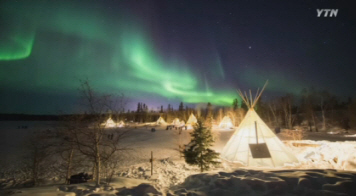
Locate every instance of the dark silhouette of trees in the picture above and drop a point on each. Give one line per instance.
(308, 105)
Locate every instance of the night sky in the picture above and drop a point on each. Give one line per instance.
(161, 52)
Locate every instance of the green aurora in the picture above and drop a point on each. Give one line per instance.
(153, 52)
(121, 58)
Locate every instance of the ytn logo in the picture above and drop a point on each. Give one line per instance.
(327, 12)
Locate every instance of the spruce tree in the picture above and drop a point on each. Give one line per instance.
(235, 104)
(198, 151)
(181, 107)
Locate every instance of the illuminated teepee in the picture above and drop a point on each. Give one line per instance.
(109, 123)
(120, 124)
(192, 120)
(254, 143)
(160, 121)
(176, 122)
(226, 123)
(181, 123)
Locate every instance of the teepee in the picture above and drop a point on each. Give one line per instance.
(176, 122)
(120, 124)
(109, 123)
(254, 143)
(226, 123)
(192, 120)
(182, 123)
(160, 121)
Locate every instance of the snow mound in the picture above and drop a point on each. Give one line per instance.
(354, 135)
(283, 182)
(142, 189)
(324, 154)
(166, 173)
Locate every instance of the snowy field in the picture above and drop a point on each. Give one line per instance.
(327, 166)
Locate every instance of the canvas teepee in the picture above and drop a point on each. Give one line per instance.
(109, 123)
(192, 119)
(254, 143)
(181, 123)
(120, 124)
(160, 121)
(176, 122)
(226, 123)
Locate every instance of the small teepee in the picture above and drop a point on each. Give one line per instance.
(176, 122)
(254, 143)
(192, 120)
(182, 123)
(226, 123)
(120, 124)
(160, 121)
(109, 123)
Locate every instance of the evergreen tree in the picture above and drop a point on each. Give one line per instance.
(235, 104)
(209, 111)
(144, 108)
(244, 106)
(198, 151)
(138, 107)
(161, 109)
(181, 107)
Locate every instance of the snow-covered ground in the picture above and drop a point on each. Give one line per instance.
(335, 161)
(13, 135)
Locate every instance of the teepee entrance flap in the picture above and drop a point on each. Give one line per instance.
(259, 151)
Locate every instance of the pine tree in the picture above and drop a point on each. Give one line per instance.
(235, 104)
(181, 107)
(138, 107)
(209, 111)
(198, 151)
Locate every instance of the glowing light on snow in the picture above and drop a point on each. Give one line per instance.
(350, 135)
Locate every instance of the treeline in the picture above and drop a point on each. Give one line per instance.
(315, 109)
(209, 112)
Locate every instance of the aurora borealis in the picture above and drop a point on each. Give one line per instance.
(162, 52)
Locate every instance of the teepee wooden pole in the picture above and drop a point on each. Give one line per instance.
(241, 95)
(256, 132)
(260, 93)
(258, 89)
(248, 102)
(251, 97)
